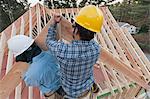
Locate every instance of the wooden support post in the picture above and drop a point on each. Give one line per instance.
(22, 25)
(44, 17)
(30, 93)
(2, 49)
(115, 63)
(111, 47)
(123, 40)
(138, 49)
(12, 79)
(10, 55)
(108, 58)
(30, 23)
(38, 18)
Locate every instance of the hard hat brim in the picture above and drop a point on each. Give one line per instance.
(15, 55)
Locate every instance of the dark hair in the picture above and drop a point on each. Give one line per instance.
(28, 55)
(84, 33)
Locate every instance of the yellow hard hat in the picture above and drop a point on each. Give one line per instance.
(90, 17)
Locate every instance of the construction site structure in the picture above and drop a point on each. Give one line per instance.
(127, 78)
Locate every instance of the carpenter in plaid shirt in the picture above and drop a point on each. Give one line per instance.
(77, 58)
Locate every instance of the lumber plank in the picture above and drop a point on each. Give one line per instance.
(109, 43)
(135, 91)
(113, 24)
(114, 62)
(12, 79)
(108, 81)
(137, 48)
(127, 95)
(113, 50)
(98, 74)
(2, 49)
(123, 41)
(124, 93)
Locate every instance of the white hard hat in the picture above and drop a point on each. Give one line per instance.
(19, 43)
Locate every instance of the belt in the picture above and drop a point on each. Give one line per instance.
(93, 89)
(48, 94)
(84, 94)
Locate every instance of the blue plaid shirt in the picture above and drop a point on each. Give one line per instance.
(76, 62)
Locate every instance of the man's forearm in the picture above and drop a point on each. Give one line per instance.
(40, 40)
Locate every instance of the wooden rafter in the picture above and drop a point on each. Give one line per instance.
(124, 65)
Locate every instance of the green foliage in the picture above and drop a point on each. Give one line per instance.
(136, 12)
(72, 3)
(144, 29)
(60, 3)
(4, 19)
(145, 47)
(10, 11)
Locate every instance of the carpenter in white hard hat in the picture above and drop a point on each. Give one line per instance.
(43, 70)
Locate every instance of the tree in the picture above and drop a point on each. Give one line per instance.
(11, 9)
(60, 3)
(136, 12)
(4, 19)
(73, 3)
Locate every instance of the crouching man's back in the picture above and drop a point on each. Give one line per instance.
(77, 58)
(43, 71)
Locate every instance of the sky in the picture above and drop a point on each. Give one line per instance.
(33, 2)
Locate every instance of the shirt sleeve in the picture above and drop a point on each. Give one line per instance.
(51, 41)
(52, 33)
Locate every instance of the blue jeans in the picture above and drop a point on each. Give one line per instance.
(43, 72)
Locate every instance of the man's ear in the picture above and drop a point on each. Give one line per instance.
(78, 35)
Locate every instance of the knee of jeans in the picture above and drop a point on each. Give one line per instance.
(31, 81)
(31, 76)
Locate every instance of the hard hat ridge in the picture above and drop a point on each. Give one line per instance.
(90, 17)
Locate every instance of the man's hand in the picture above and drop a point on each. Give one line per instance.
(56, 17)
